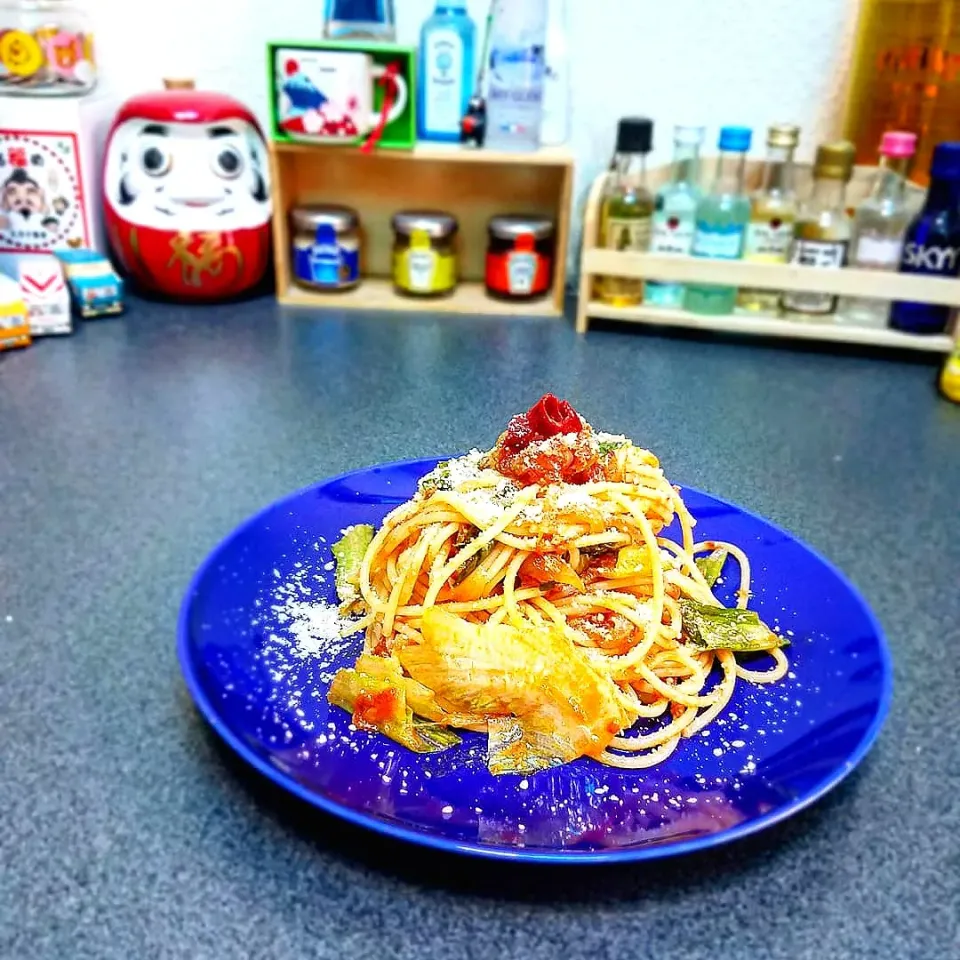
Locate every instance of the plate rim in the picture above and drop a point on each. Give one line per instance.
(561, 855)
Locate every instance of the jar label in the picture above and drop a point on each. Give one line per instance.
(768, 241)
(326, 264)
(824, 255)
(518, 273)
(672, 234)
(521, 272)
(628, 234)
(424, 271)
(878, 252)
(421, 266)
(443, 90)
(718, 243)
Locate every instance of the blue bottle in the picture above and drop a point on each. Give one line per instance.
(360, 19)
(445, 71)
(932, 242)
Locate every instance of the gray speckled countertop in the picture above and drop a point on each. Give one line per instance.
(129, 450)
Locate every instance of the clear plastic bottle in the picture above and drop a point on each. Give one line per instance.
(722, 217)
(822, 235)
(626, 208)
(879, 225)
(46, 48)
(516, 75)
(675, 212)
(772, 216)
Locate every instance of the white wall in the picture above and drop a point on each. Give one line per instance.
(751, 62)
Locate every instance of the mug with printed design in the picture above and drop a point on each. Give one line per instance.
(328, 95)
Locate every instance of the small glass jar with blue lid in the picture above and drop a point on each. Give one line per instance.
(326, 247)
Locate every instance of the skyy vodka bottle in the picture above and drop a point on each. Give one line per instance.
(675, 212)
(932, 243)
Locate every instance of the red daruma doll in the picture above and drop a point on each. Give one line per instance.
(187, 193)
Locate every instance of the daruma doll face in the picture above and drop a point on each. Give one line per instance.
(187, 194)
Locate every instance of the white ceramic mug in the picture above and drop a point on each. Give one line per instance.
(328, 94)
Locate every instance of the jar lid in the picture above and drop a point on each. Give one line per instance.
(634, 135)
(318, 215)
(834, 161)
(786, 135)
(433, 223)
(688, 136)
(511, 226)
(735, 139)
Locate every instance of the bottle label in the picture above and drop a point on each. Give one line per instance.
(444, 82)
(628, 234)
(918, 258)
(823, 254)
(768, 241)
(718, 243)
(672, 234)
(878, 253)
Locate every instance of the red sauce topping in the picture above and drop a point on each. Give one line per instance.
(372, 710)
(536, 447)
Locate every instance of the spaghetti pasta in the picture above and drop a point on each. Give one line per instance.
(533, 584)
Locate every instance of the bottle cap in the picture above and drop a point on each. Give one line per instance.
(688, 136)
(735, 138)
(945, 164)
(834, 160)
(783, 135)
(898, 143)
(634, 135)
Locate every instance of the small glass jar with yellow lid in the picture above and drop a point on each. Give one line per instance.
(424, 253)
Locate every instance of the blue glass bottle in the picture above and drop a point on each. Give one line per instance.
(722, 218)
(360, 19)
(445, 73)
(932, 243)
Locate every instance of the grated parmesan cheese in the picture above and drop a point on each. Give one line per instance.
(315, 627)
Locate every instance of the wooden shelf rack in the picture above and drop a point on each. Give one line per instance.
(597, 261)
(474, 185)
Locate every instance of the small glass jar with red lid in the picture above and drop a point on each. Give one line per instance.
(519, 257)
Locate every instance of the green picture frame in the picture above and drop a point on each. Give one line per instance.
(399, 134)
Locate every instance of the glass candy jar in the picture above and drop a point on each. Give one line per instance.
(46, 48)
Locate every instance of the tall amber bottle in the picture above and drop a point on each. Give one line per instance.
(906, 76)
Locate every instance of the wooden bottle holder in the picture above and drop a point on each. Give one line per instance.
(473, 185)
(597, 261)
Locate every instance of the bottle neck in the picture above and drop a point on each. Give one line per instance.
(686, 163)
(891, 182)
(778, 174)
(943, 194)
(449, 7)
(630, 169)
(829, 193)
(730, 169)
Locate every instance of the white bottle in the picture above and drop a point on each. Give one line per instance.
(555, 128)
(515, 72)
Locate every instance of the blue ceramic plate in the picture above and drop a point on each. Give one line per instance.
(248, 651)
